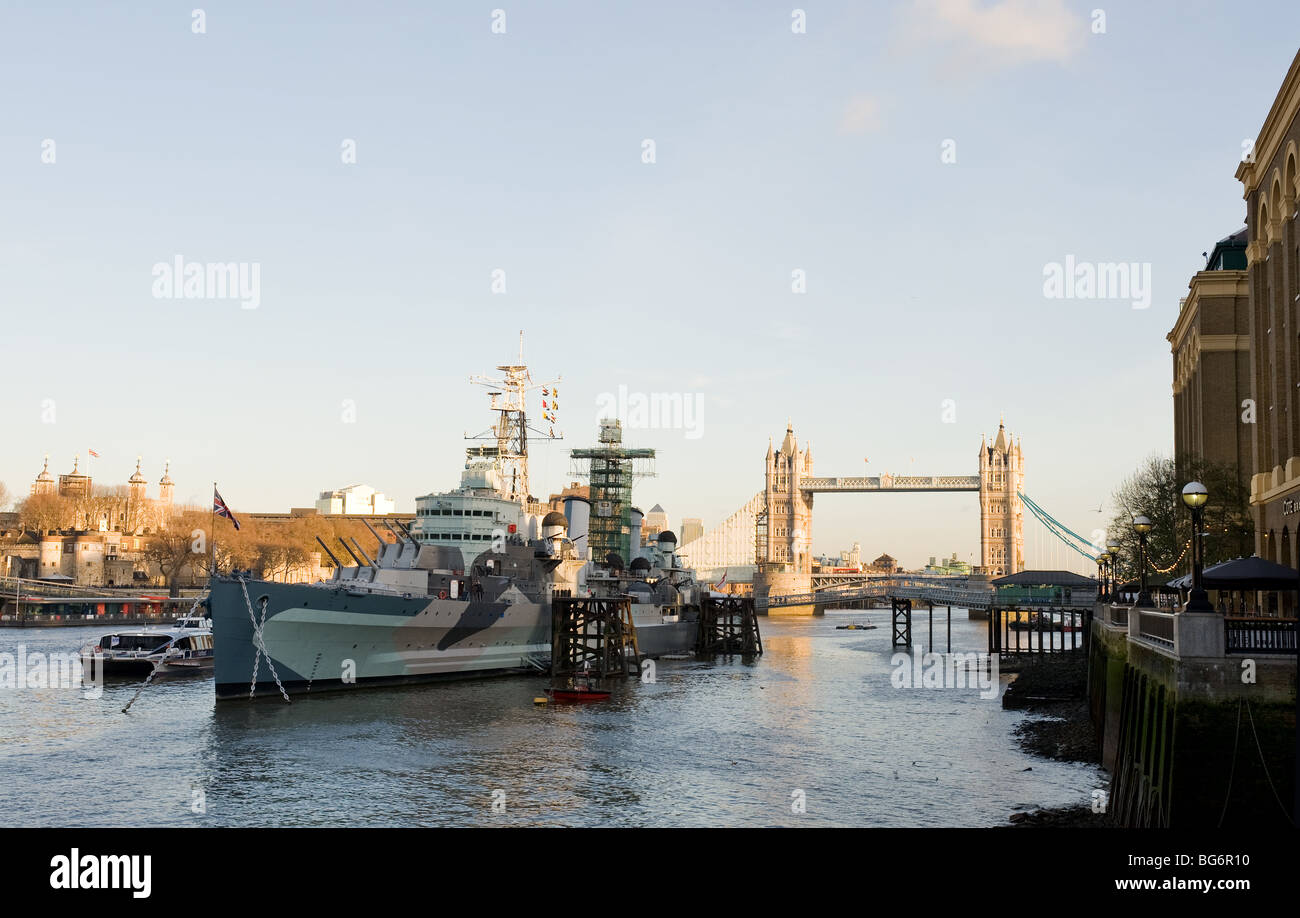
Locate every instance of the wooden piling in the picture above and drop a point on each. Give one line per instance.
(592, 635)
(728, 625)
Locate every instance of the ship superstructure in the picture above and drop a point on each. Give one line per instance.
(465, 591)
(493, 500)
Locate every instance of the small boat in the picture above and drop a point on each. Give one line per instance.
(1039, 623)
(182, 650)
(579, 695)
(856, 626)
(580, 691)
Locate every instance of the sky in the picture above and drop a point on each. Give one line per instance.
(843, 220)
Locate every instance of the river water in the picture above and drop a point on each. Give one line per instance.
(812, 733)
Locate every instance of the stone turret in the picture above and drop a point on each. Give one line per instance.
(166, 487)
(137, 486)
(785, 561)
(1002, 481)
(44, 483)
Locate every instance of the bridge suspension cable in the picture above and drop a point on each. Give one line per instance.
(1068, 536)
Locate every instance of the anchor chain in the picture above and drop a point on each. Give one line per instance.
(260, 643)
(157, 666)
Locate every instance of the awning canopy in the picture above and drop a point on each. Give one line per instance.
(1253, 573)
(1046, 579)
(1135, 586)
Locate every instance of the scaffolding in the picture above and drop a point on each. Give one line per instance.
(611, 467)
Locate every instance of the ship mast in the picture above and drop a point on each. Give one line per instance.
(509, 395)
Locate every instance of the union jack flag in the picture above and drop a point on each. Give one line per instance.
(220, 509)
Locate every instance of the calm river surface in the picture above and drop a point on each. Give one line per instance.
(705, 745)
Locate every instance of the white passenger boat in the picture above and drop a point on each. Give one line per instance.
(185, 648)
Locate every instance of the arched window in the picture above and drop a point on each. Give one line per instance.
(1289, 189)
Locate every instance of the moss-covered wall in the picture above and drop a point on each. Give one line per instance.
(1191, 743)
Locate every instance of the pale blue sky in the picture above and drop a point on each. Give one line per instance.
(775, 151)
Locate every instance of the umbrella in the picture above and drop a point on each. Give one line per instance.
(1253, 573)
(1181, 583)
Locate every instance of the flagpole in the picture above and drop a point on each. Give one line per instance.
(212, 535)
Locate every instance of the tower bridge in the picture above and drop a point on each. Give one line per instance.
(772, 532)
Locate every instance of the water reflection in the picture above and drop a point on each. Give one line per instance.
(706, 744)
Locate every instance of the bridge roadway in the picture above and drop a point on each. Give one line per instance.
(11, 585)
(34, 595)
(892, 483)
(942, 591)
(949, 592)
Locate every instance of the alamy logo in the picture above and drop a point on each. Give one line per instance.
(22, 670)
(654, 410)
(195, 280)
(102, 871)
(945, 671)
(1105, 280)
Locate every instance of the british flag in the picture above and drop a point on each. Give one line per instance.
(220, 509)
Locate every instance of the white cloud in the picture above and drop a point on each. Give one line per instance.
(999, 33)
(860, 115)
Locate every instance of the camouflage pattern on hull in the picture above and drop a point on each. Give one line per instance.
(322, 637)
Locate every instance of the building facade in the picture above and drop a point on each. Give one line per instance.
(1270, 181)
(355, 500)
(1210, 344)
(73, 501)
(655, 522)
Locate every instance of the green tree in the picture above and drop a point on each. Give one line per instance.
(1155, 490)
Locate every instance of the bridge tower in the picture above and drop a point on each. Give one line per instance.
(1002, 481)
(784, 563)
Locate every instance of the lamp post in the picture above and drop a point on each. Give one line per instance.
(1112, 563)
(1143, 526)
(1101, 576)
(1194, 496)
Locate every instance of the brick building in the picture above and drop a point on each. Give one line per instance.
(1271, 189)
(1210, 344)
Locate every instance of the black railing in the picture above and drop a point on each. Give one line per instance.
(1259, 635)
(1017, 631)
(1156, 626)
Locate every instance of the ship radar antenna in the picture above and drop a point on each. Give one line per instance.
(510, 432)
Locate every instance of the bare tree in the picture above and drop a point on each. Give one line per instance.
(182, 544)
(43, 512)
(5, 497)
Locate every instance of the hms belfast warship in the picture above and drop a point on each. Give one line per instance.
(417, 612)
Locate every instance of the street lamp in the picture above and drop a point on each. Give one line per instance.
(1143, 526)
(1112, 563)
(1194, 496)
(1101, 576)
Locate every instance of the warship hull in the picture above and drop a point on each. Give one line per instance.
(322, 638)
